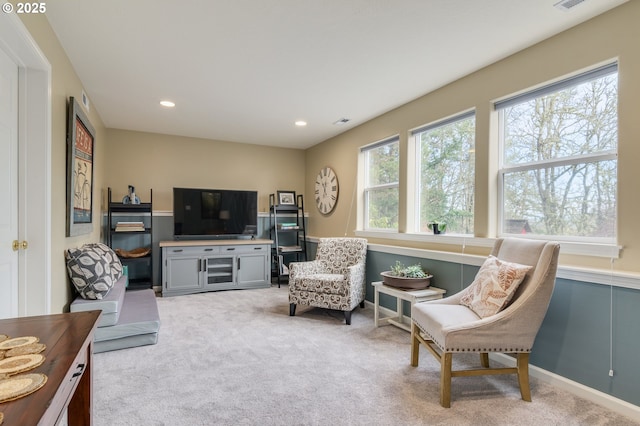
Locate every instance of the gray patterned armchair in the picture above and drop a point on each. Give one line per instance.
(334, 280)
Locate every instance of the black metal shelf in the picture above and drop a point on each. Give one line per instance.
(142, 275)
(283, 249)
(129, 208)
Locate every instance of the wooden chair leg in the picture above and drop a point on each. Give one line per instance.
(484, 359)
(415, 344)
(523, 376)
(445, 379)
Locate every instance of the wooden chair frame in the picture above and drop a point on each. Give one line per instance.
(446, 372)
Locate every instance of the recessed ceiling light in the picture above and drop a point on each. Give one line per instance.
(167, 104)
(301, 123)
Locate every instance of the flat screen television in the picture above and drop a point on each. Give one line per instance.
(214, 213)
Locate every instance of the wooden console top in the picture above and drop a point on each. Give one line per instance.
(68, 367)
(195, 243)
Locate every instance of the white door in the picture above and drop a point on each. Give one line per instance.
(8, 186)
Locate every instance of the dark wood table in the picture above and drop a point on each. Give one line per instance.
(67, 365)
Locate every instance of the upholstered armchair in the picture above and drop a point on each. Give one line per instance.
(334, 280)
(501, 311)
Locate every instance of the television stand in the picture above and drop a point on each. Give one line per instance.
(196, 266)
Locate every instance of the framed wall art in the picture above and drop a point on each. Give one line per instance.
(80, 144)
(287, 198)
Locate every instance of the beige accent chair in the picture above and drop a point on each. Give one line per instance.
(445, 326)
(334, 280)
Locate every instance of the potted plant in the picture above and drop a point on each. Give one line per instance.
(412, 277)
(437, 227)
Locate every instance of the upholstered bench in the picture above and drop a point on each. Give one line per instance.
(129, 318)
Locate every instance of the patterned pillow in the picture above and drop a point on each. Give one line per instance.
(494, 286)
(111, 256)
(90, 272)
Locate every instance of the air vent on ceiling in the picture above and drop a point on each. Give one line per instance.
(567, 4)
(85, 101)
(341, 121)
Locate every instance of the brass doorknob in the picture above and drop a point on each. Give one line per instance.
(17, 245)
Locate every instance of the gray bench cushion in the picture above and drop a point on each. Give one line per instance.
(110, 305)
(138, 317)
(125, 342)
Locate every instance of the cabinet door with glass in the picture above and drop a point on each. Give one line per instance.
(218, 271)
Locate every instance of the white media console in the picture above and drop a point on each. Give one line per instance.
(194, 266)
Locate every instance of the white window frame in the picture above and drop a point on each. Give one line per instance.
(367, 190)
(415, 136)
(564, 161)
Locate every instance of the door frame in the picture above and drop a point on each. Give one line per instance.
(34, 171)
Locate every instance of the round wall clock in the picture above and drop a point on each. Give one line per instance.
(326, 190)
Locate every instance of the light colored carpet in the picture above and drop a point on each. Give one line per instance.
(237, 358)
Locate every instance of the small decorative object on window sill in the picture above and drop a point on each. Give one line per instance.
(407, 277)
(437, 227)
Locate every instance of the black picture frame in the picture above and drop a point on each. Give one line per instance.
(287, 198)
(80, 160)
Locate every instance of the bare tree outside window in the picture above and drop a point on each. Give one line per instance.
(381, 192)
(559, 161)
(446, 170)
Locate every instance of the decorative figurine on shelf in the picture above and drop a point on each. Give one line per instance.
(132, 198)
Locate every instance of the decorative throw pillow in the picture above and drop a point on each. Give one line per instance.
(113, 259)
(90, 272)
(494, 286)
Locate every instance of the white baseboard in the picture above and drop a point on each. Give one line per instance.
(615, 404)
(578, 389)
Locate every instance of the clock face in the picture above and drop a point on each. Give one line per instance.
(326, 190)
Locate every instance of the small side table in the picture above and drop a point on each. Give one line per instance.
(412, 296)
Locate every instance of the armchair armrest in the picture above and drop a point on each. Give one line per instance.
(355, 274)
(304, 268)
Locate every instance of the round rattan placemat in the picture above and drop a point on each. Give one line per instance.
(18, 341)
(3, 337)
(20, 363)
(21, 385)
(32, 348)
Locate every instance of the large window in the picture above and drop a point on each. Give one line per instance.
(381, 187)
(445, 155)
(558, 172)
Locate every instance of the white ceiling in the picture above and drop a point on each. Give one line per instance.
(245, 70)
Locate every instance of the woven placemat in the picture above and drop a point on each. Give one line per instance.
(1, 418)
(21, 385)
(20, 363)
(3, 337)
(32, 348)
(18, 341)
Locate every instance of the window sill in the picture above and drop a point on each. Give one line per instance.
(610, 251)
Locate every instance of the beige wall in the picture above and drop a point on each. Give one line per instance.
(609, 36)
(161, 162)
(146, 161)
(65, 83)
